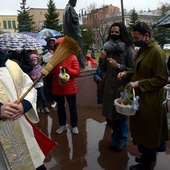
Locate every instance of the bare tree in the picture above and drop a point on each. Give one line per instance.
(91, 7)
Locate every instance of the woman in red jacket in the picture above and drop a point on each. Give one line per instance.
(67, 90)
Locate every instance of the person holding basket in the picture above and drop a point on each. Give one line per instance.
(149, 127)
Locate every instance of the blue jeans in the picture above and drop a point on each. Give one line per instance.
(41, 96)
(71, 99)
(119, 135)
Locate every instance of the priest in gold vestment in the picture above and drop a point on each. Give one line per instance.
(19, 148)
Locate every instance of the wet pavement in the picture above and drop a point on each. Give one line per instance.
(89, 149)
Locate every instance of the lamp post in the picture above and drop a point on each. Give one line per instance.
(82, 12)
(122, 9)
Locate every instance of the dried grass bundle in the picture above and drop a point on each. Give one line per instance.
(67, 48)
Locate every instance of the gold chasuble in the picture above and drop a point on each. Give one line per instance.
(18, 148)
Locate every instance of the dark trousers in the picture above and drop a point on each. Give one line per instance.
(71, 99)
(151, 154)
(41, 96)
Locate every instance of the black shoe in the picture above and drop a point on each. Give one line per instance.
(112, 147)
(139, 159)
(119, 148)
(140, 167)
(108, 122)
(42, 167)
(116, 148)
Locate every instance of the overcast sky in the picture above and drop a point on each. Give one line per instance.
(11, 6)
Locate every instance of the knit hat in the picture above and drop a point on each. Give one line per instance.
(142, 27)
(52, 39)
(34, 56)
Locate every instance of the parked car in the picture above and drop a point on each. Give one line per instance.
(166, 47)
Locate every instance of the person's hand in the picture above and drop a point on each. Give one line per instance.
(134, 84)
(11, 110)
(103, 54)
(122, 75)
(112, 62)
(51, 51)
(169, 79)
(34, 78)
(63, 80)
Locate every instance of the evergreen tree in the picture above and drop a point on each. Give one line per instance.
(133, 18)
(52, 20)
(87, 36)
(162, 34)
(25, 20)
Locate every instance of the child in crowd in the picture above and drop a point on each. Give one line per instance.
(35, 73)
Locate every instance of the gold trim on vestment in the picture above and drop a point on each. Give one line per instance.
(14, 145)
(11, 135)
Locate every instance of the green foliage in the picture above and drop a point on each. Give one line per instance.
(127, 102)
(52, 17)
(130, 96)
(87, 35)
(25, 20)
(121, 88)
(133, 19)
(162, 34)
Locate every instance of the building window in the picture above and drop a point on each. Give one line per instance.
(127, 22)
(9, 25)
(13, 24)
(4, 24)
(41, 23)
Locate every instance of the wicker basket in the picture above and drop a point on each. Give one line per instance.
(167, 87)
(167, 101)
(127, 110)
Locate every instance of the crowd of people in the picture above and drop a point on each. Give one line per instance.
(146, 72)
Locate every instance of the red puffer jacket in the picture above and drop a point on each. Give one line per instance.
(73, 70)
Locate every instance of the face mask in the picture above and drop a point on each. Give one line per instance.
(114, 37)
(140, 43)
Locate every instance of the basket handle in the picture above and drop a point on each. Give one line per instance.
(133, 92)
(127, 87)
(135, 104)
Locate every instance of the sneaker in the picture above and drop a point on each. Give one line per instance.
(46, 109)
(75, 130)
(61, 129)
(42, 110)
(54, 104)
(38, 109)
